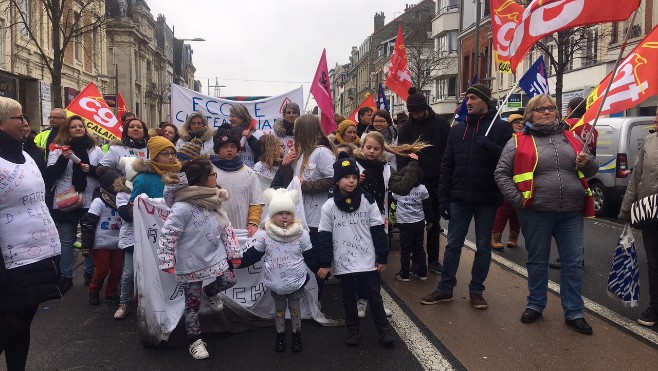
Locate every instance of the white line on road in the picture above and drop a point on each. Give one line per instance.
(422, 348)
(599, 309)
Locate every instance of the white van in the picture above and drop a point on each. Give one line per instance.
(619, 142)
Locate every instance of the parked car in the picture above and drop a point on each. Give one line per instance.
(619, 142)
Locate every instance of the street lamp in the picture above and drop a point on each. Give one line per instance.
(116, 87)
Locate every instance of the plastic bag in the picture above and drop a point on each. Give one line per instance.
(624, 278)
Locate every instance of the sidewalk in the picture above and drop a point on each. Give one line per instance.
(495, 338)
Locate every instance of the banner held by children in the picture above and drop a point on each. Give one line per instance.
(91, 106)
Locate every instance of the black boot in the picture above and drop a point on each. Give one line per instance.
(94, 299)
(88, 277)
(386, 336)
(352, 337)
(296, 345)
(280, 345)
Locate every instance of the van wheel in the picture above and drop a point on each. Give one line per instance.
(602, 199)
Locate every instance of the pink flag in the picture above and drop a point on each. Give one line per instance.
(321, 90)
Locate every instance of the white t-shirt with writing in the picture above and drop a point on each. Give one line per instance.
(127, 231)
(410, 208)
(354, 250)
(111, 158)
(320, 166)
(244, 188)
(27, 231)
(265, 174)
(109, 225)
(285, 270)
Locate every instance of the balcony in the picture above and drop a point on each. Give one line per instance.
(446, 20)
(449, 64)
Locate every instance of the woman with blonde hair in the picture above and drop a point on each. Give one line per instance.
(73, 168)
(241, 122)
(196, 127)
(269, 161)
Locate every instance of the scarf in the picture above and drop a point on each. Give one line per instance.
(79, 147)
(134, 143)
(199, 133)
(290, 127)
(227, 165)
(11, 149)
(542, 130)
(109, 198)
(161, 168)
(374, 184)
(390, 133)
(205, 198)
(287, 234)
(349, 203)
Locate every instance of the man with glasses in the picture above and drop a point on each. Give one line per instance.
(467, 191)
(44, 138)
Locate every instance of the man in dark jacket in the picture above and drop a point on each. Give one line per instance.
(467, 190)
(365, 116)
(425, 125)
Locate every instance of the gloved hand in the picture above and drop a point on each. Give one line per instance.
(485, 143)
(444, 210)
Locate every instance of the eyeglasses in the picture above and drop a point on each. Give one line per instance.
(544, 109)
(167, 154)
(212, 175)
(21, 117)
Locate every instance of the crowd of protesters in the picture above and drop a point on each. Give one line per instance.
(378, 173)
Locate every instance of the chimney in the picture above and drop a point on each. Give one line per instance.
(380, 20)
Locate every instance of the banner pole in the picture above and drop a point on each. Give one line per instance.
(308, 98)
(501, 107)
(588, 139)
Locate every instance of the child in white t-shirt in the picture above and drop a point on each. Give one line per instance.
(353, 246)
(414, 215)
(285, 244)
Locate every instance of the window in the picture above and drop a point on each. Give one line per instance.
(138, 70)
(445, 5)
(591, 48)
(446, 87)
(149, 72)
(567, 46)
(25, 7)
(448, 44)
(614, 33)
(95, 40)
(2, 43)
(78, 38)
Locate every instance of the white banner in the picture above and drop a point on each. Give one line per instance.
(265, 111)
(161, 300)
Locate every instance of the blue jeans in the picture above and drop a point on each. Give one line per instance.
(538, 229)
(460, 219)
(127, 277)
(67, 237)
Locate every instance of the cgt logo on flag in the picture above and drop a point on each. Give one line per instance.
(506, 16)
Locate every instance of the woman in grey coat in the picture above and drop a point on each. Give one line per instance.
(542, 171)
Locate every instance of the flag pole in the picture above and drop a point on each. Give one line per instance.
(308, 98)
(588, 139)
(501, 107)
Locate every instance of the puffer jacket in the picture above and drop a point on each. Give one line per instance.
(467, 168)
(644, 178)
(557, 186)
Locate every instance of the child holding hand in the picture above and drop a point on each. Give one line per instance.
(197, 242)
(354, 247)
(285, 245)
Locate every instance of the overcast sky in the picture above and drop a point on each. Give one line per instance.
(250, 43)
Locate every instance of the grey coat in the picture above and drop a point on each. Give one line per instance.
(644, 178)
(557, 186)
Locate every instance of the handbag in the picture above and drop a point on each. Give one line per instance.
(644, 213)
(624, 277)
(70, 200)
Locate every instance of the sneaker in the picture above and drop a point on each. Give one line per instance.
(434, 267)
(400, 277)
(478, 302)
(361, 306)
(648, 317)
(436, 297)
(88, 277)
(388, 311)
(386, 336)
(112, 299)
(122, 312)
(352, 338)
(418, 276)
(215, 302)
(198, 350)
(296, 345)
(280, 345)
(94, 299)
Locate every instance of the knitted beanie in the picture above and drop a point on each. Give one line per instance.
(343, 125)
(280, 200)
(344, 166)
(156, 145)
(126, 164)
(190, 150)
(225, 134)
(481, 91)
(106, 181)
(416, 101)
(515, 116)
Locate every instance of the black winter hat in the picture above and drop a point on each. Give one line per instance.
(416, 101)
(481, 91)
(345, 165)
(225, 134)
(106, 180)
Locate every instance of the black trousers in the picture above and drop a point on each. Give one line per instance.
(434, 233)
(367, 284)
(15, 336)
(411, 242)
(650, 239)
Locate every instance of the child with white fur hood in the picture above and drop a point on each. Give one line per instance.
(286, 246)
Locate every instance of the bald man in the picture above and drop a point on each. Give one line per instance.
(44, 138)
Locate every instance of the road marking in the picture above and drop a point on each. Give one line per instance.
(420, 346)
(599, 309)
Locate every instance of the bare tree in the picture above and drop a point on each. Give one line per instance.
(69, 21)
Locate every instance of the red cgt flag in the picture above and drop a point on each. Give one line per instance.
(122, 107)
(399, 77)
(544, 17)
(505, 16)
(635, 81)
(91, 106)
